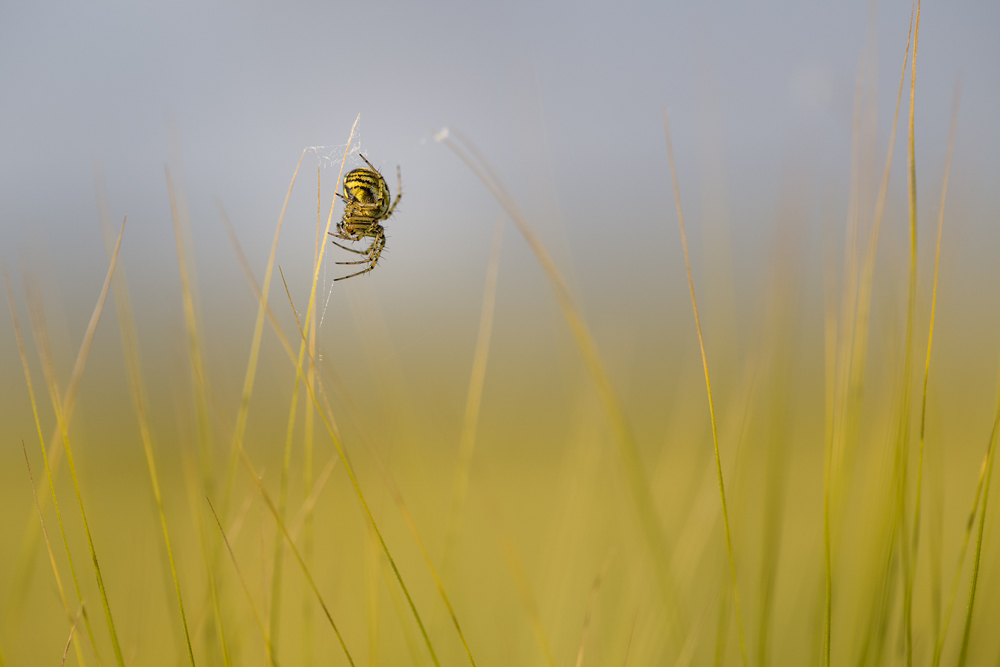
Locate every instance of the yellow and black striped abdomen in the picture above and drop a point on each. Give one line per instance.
(367, 188)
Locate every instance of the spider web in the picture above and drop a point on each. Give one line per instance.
(330, 156)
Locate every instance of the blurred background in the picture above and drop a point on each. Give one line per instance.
(766, 101)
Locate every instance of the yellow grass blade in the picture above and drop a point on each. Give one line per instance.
(328, 421)
(850, 366)
(130, 349)
(708, 386)
(326, 416)
(57, 406)
(200, 384)
(622, 430)
(904, 417)
(45, 459)
(467, 441)
(256, 615)
(988, 474)
(55, 568)
(523, 585)
(195, 489)
(291, 545)
(930, 334)
(308, 440)
(70, 640)
(193, 340)
(248, 381)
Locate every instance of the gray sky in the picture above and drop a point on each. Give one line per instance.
(564, 97)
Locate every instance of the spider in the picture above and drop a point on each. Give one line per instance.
(366, 205)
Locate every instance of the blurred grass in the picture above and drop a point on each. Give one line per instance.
(560, 505)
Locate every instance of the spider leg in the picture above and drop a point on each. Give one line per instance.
(399, 193)
(367, 252)
(376, 248)
(374, 251)
(346, 237)
(363, 271)
(359, 252)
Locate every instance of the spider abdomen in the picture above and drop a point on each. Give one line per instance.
(366, 189)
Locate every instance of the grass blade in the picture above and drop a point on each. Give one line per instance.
(55, 568)
(467, 441)
(130, 349)
(988, 473)
(256, 615)
(904, 417)
(708, 386)
(930, 333)
(57, 406)
(622, 430)
(48, 468)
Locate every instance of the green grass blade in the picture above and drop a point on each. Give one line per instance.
(708, 386)
(49, 369)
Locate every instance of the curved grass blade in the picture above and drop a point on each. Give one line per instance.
(49, 370)
(620, 426)
(930, 333)
(256, 615)
(708, 386)
(130, 349)
(48, 469)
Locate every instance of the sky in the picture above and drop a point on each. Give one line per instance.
(565, 99)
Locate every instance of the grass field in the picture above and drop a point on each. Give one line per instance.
(535, 483)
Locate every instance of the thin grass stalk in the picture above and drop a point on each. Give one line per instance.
(49, 370)
(55, 568)
(620, 427)
(857, 343)
(708, 386)
(248, 381)
(200, 382)
(328, 421)
(473, 400)
(130, 349)
(69, 640)
(988, 470)
(855, 347)
(523, 585)
(904, 438)
(930, 334)
(269, 655)
(195, 488)
(397, 498)
(591, 605)
(277, 570)
(290, 430)
(307, 443)
(371, 568)
(402, 615)
(970, 522)
(31, 537)
(194, 345)
(326, 416)
(45, 460)
(830, 376)
(291, 545)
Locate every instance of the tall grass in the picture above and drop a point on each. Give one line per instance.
(588, 530)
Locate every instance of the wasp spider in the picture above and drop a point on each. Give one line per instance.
(366, 198)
